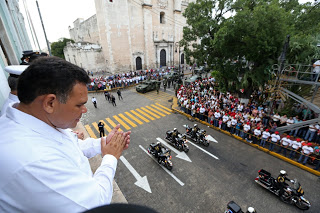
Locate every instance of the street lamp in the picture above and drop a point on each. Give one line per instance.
(178, 47)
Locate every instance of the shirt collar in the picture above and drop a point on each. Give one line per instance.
(13, 97)
(36, 125)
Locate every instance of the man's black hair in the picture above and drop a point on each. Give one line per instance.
(49, 75)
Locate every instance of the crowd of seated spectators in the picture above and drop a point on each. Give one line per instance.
(252, 121)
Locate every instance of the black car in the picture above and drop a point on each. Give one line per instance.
(147, 86)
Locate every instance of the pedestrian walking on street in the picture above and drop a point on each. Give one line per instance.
(94, 101)
(113, 100)
(101, 129)
(157, 87)
(169, 82)
(107, 95)
(119, 94)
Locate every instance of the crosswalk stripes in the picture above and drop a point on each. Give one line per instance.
(156, 111)
(121, 122)
(164, 107)
(90, 132)
(129, 120)
(162, 96)
(158, 108)
(140, 116)
(134, 118)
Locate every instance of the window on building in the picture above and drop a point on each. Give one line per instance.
(162, 18)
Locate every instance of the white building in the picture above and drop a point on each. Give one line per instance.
(133, 34)
(13, 41)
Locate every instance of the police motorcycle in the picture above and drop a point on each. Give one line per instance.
(180, 143)
(232, 207)
(162, 153)
(199, 136)
(292, 195)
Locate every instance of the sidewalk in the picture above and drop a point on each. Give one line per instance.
(95, 162)
(176, 108)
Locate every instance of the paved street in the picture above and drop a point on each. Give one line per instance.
(219, 173)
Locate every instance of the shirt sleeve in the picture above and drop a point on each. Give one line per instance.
(90, 147)
(58, 185)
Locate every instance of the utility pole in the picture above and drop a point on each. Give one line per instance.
(44, 31)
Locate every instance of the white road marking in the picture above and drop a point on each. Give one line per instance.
(142, 182)
(170, 173)
(182, 155)
(210, 138)
(203, 150)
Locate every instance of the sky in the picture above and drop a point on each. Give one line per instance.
(57, 16)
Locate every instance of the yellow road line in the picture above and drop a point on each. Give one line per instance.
(156, 111)
(121, 122)
(140, 116)
(90, 132)
(151, 113)
(145, 114)
(127, 120)
(134, 118)
(112, 123)
(158, 108)
(95, 125)
(164, 107)
(106, 126)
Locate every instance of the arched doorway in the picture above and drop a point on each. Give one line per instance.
(182, 58)
(138, 63)
(163, 58)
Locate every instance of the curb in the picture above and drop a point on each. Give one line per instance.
(117, 195)
(301, 166)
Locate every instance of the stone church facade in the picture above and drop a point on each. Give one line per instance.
(133, 34)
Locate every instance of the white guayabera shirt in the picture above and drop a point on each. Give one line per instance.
(44, 169)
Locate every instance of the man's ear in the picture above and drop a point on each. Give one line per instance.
(49, 103)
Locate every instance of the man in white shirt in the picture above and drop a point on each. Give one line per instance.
(257, 134)
(274, 140)
(264, 137)
(14, 71)
(94, 101)
(285, 143)
(311, 132)
(44, 168)
(296, 145)
(216, 118)
(316, 70)
(306, 151)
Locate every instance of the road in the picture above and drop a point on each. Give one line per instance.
(207, 183)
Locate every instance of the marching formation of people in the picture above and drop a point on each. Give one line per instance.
(252, 121)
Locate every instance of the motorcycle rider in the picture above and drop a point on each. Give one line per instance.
(158, 149)
(281, 183)
(174, 136)
(195, 131)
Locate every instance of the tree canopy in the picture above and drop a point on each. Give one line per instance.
(57, 47)
(240, 40)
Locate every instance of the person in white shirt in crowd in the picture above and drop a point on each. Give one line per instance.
(229, 125)
(275, 137)
(44, 167)
(14, 71)
(276, 118)
(311, 132)
(202, 111)
(217, 115)
(306, 151)
(295, 146)
(265, 136)
(257, 134)
(233, 125)
(246, 129)
(225, 119)
(290, 121)
(285, 143)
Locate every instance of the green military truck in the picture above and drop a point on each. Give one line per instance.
(147, 86)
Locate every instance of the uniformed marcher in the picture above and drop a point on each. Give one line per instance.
(157, 88)
(40, 157)
(14, 71)
(164, 84)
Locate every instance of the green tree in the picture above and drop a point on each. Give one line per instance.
(57, 47)
(241, 48)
